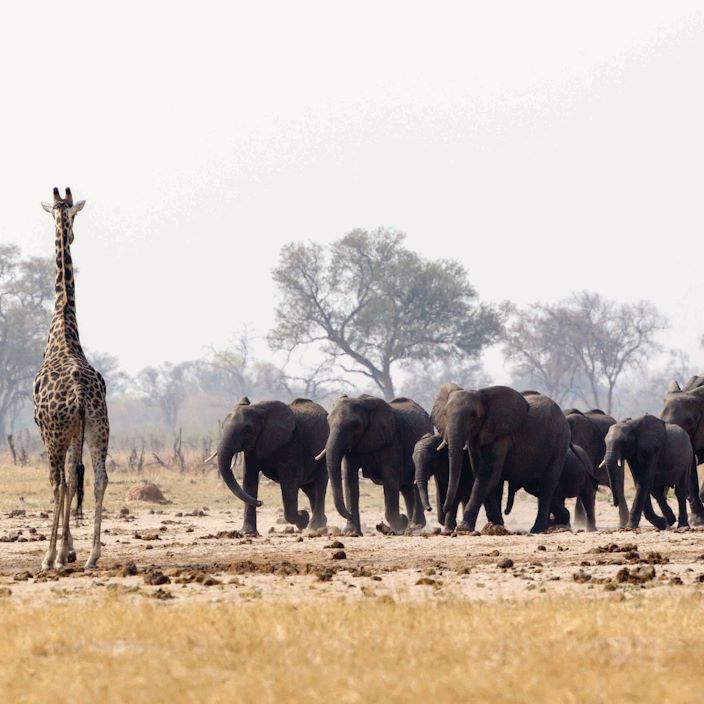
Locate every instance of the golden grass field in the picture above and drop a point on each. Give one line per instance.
(402, 619)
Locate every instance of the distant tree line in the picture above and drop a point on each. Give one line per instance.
(364, 313)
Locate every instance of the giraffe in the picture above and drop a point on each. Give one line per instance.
(69, 400)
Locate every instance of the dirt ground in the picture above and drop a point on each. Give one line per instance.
(190, 550)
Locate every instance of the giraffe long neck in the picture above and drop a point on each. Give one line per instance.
(63, 333)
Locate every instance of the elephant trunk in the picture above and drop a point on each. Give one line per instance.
(455, 448)
(422, 476)
(226, 451)
(333, 455)
(614, 469)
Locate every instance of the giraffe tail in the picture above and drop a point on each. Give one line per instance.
(80, 471)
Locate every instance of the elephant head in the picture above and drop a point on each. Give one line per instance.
(475, 419)
(361, 424)
(424, 459)
(633, 439)
(259, 428)
(686, 409)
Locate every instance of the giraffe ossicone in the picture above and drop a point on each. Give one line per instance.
(69, 400)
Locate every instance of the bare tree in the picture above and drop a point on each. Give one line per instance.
(166, 387)
(26, 293)
(373, 303)
(581, 347)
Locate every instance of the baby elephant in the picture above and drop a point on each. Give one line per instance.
(576, 480)
(659, 455)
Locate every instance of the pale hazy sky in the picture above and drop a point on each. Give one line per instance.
(550, 147)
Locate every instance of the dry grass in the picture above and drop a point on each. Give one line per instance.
(549, 651)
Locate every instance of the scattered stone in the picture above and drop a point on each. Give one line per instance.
(124, 511)
(156, 578)
(428, 582)
(638, 575)
(495, 529)
(147, 535)
(505, 564)
(324, 574)
(145, 491)
(129, 569)
(162, 594)
(384, 529)
(542, 548)
(339, 555)
(5, 591)
(676, 581)
(494, 553)
(23, 576)
(581, 576)
(613, 547)
(336, 544)
(17, 512)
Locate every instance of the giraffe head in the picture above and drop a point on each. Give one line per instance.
(63, 210)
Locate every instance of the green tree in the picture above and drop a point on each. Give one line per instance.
(26, 295)
(369, 301)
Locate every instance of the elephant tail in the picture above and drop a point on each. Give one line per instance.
(509, 500)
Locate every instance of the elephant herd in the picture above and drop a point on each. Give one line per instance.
(476, 443)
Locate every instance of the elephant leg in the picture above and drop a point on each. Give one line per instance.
(289, 495)
(587, 500)
(492, 505)
(579, 513)
(250, 484)
(695, 495)
(548, 485)
(316, 496)
(661, 498)
(560, 512)
(643, 482)
(658, 521)
(407, 493)
(351, 480)
(395, 518)
(681, 494)
(488, 475)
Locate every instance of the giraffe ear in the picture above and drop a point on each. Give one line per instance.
(78, 207)
(48, 207)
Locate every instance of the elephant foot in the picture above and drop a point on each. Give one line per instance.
(661, 524)
(464, 527)
(302, 520)
(352, 531)
(539, 528)
(318, 523)
(249, 531)
(683, 523)
(697, 519)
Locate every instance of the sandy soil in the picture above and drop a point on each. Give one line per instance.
(193, 551)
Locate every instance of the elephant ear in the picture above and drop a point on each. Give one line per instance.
(651, 435)
(674, 387)
(437, 414)
(506, 411)
(381, 424)
(279, 424)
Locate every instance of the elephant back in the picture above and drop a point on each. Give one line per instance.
(412, 420)
(311, 425)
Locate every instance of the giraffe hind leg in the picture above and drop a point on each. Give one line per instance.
(67, 552)
(58, 482)
(98, 454)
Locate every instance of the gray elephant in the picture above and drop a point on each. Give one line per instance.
(377, 436)
(588, 430)
(431, 460)
(576, 481)
(685, 407)
(514, 437)
(659, 455)
(280, 441)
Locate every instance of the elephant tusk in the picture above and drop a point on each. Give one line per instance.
(442, 445)
(320, 456)
(208, 460)
(603, 464)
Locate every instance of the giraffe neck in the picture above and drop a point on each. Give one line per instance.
(63, 333)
